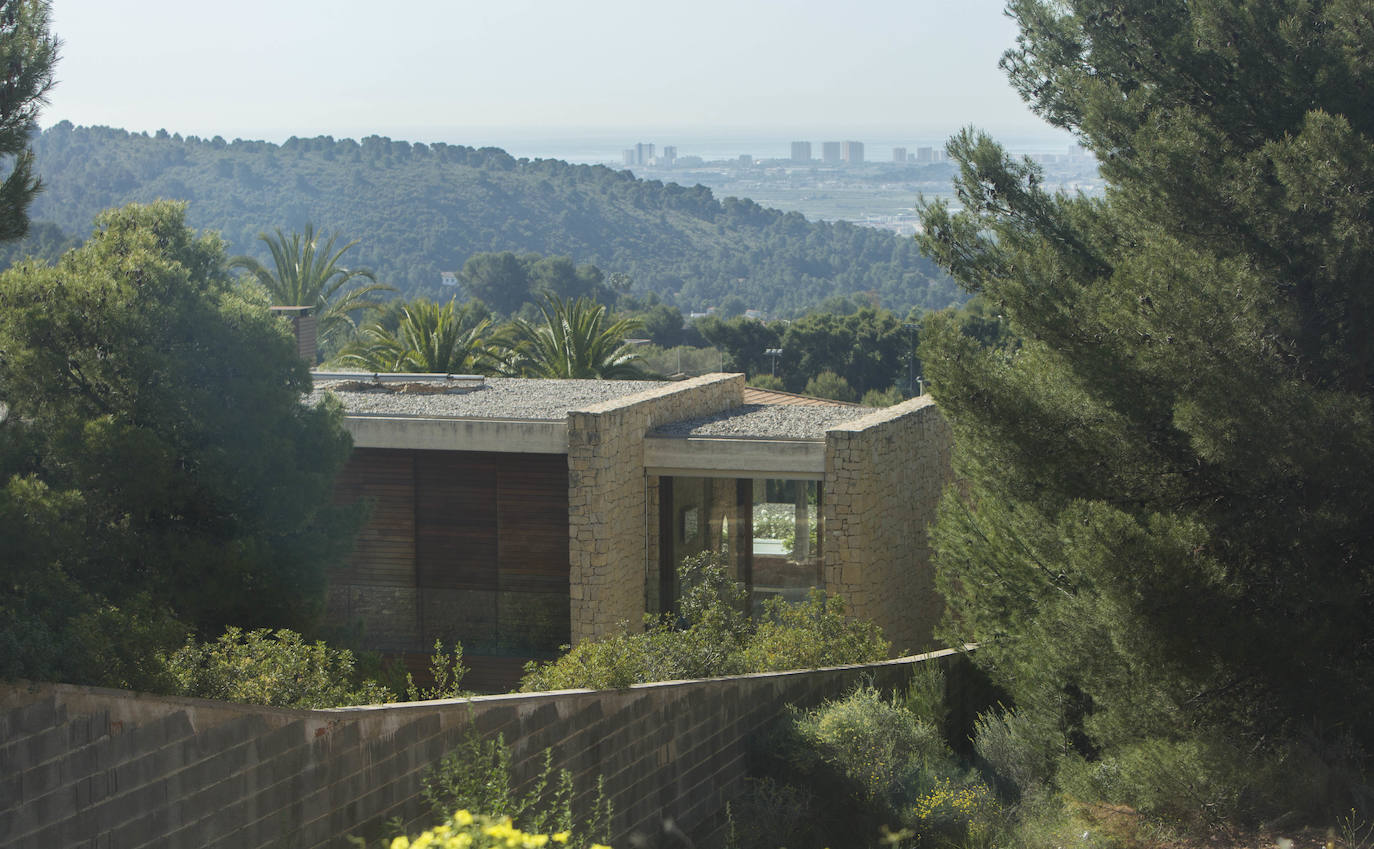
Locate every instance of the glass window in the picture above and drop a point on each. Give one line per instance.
(768, 532)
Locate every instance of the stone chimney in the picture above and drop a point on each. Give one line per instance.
(302, 320)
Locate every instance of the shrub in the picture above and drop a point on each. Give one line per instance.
(265, 667)
(882, 768)
(874, 742)
(464, 830)
(883, 398)
(477, 775)
(828, 384)
(447, 671)
(809, 635)
(712, 637)
(963, 813)
(1020, 754)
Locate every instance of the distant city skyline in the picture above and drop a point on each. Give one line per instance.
(501, 73)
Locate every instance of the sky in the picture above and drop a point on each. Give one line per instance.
(492, 72)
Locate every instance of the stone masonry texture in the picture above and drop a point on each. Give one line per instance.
(608, 495)
(883, 477)
(82, 766)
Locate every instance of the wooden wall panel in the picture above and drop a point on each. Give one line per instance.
(384, 554)
(532, 505)
(481, 538)
(455, 517)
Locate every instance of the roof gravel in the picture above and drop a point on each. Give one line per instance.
(496, 398)
(766, 421)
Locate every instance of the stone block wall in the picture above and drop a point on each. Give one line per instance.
(883, 477)
(608, 495)
(81, 766)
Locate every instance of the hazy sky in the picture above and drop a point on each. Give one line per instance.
(429, 70)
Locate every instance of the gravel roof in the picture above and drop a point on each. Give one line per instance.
(767, 421)
(495, 398)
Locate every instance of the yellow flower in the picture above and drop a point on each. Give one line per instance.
(401, 842)
(561, 836)
(463, 818)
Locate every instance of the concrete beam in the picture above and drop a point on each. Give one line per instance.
(725, 457)
(504, 435)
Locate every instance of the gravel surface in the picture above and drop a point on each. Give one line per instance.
(496, 398)
(771, 421)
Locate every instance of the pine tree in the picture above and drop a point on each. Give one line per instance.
(1163, 536)
(27, 55)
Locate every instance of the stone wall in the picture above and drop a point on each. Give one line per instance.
(608, 495)
(81, 766)
(883, 477)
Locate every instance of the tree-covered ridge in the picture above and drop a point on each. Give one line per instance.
(420, 209)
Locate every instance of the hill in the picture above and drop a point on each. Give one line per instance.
(420, 209)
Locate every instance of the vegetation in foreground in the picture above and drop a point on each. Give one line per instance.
(712, 636)
(159, 473)
(1163, 538)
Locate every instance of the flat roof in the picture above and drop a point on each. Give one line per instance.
(513, 398)
(767, 421)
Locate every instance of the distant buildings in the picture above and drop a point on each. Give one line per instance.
(801, 151)
(830, 151)
(899, 154)
(746, 160)
(924, 155)
(852, 152)
(640, 154)
(669, 156)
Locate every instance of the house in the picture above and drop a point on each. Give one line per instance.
(517, 515)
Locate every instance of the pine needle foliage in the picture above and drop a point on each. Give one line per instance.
(1163, 535)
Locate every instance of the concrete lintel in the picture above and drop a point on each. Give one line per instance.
(424, 434)
(728, 457)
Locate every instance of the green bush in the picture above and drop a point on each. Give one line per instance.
(477, 776)
(809, 635)
(827, 384)
(882, 769)
(1020, 754)
(713, 637)
(465, 830)
(883, 398)
(447, 671)
(265, 667)
(879, 745)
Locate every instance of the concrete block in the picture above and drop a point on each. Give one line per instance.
(31, 718)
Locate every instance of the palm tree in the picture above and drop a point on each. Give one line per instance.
(574, 341)
(304, 274)
(429, 338)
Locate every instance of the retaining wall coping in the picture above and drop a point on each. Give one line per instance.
(78, 697)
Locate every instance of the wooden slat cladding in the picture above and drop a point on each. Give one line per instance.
(532, 501)
(480, 538)
(456, 519)
(384, 554)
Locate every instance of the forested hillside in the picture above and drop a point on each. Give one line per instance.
(420, 209)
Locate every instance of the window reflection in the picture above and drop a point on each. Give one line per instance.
(767, 531)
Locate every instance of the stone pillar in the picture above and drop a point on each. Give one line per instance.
(883, 477)
(608, 501)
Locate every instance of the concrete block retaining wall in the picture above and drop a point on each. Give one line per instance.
(82, 766)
